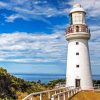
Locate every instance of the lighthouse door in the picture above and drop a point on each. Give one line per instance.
(77, 82)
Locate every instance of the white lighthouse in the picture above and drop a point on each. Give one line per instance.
(78, 60)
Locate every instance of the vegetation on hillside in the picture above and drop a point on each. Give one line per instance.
(96, 81)
(53, 83)
(12, 88)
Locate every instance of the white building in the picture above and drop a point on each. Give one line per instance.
(78, 60)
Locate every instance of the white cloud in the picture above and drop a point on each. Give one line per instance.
(2, 4)
(18, 1)
(32, 10)
(26, 9)
(94, 47)
(41, 48)
(13, 17)
(23, 10)
(95, 33)
(28, 47)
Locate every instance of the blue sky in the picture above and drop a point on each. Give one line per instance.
(32, 35)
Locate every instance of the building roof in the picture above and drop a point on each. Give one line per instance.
(77, 7)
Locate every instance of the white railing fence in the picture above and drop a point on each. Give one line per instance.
(96, 86)
(47, 93)
(65, 95)
(62, 93)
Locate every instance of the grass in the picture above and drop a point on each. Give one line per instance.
(37, 97)
(83, 95)
(87, 95)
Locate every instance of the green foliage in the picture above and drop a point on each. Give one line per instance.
(54, 82)
(10, 84)
(96, 81)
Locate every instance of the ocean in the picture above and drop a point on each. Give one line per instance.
(45, 78)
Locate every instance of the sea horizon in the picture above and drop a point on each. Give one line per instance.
(43, 73)
(45, 77)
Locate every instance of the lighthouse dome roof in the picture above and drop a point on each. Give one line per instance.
(77, 7)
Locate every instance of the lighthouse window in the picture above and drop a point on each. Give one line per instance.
(77, 53)
(77, 28)
(77, 66)
(71, 19)
(77, 43)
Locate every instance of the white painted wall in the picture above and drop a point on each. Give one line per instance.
(83, 72)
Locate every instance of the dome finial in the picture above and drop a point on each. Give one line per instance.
(76, 5)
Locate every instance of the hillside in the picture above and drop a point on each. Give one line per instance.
(14, 88)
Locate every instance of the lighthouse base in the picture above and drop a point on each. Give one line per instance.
(87, 89)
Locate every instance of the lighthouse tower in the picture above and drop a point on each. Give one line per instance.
(78, 60)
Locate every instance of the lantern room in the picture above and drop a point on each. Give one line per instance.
(77, 15)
